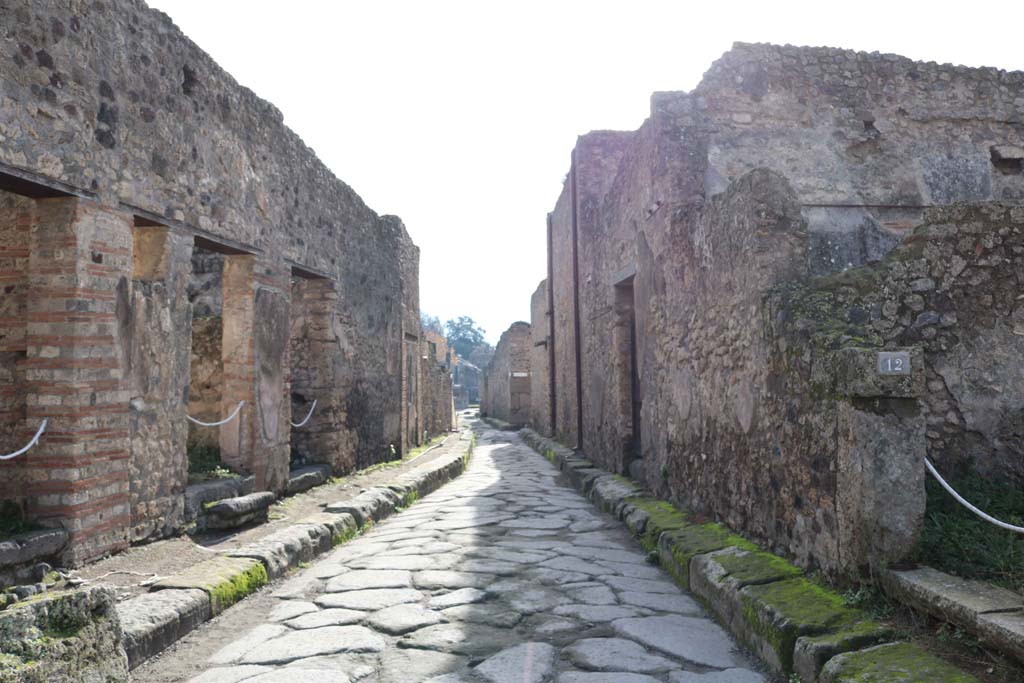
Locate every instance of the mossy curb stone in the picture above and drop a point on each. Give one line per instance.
(794, 624)
(893, 663)
(225, 579)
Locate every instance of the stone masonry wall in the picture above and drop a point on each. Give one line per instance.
(562, 281)
(507, 388)
(785, 163)
(540, 361)
(110, 103)
(951, 289)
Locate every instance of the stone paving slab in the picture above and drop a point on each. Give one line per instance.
(157, 619)
(795, 625)
(485, 580)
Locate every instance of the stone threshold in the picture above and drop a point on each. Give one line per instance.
(796, 626)
(993, 615)
(179, 603)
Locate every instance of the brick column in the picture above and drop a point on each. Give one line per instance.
(256, 297)
(159, 378)
(78, 340)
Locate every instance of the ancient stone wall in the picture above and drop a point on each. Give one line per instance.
(562, 280)
(438, 403)
(540, 361)
(685, 228)
(507, 386)
(115, 124)
(952, 290)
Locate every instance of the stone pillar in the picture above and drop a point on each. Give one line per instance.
(256, 319)
(159, 379)
(78, 341)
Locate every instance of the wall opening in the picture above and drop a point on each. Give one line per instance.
(205, 294)
(313, 350)
(16, 217)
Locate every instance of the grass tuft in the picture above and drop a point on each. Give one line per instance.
(955, 541)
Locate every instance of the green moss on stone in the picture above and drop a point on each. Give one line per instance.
(751, 568)
(410, 498)
(782, 611)
(229, 592)
(345, 536)
(683, 544)
(662, 517)
(894, 663)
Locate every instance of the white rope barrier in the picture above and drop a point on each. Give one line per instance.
(309, 415)
(988, 518)
(33, 442)
(229, 418)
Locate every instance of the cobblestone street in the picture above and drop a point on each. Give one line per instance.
(503, 575)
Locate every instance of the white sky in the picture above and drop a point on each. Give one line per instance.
(460, 116)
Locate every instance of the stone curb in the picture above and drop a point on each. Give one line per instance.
(179, 603)
(995, 615)
(794, 625)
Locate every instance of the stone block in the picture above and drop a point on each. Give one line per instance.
(235, 512)
(70, 636)
(994, 614)
(305, 478)
(651, 518)
(677, 548)
(31, 547)
(341, 525)
(198, 495)
(812, 652)
(947, 597)
(776, 614)
(1004, 630)
(717, 578)
(892, 663)
(153, 621)
(858, 374)
(225, 579)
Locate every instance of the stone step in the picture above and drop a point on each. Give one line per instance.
(304, 478)
(995, 615)
(235, 512)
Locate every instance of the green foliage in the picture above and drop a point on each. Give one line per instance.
(12, 520)
(239, 586)
(204, 460)
(464, 335)
(431, 323)
(956, 541)
(868, 598)
(948, 634)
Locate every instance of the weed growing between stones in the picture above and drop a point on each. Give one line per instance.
(955, 541)
(239, 586)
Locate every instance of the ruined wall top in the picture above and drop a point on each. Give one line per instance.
(112, 99)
